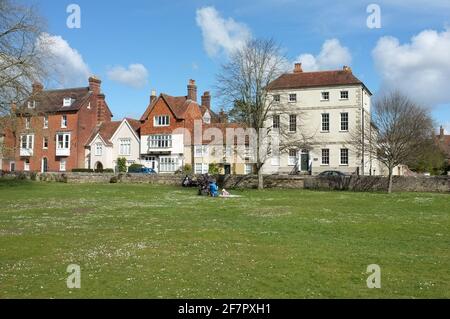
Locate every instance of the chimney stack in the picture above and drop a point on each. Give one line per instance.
(206, 100)
(153, 97)
(37, 88)
(223, 117)
(94, 85)
(441, 133)
(192, 91)
(347, 69)
(298, 68)
(101, 112)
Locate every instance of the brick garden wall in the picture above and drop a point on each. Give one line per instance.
(353, 183)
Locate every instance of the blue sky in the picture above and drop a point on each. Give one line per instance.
(169, 42)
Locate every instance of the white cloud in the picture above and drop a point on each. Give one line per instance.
(135, 76)
(66, 64)
(333, 55)
(420, 68)
(219, 34)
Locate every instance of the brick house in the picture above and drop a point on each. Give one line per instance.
(54, 125)
(167, 133)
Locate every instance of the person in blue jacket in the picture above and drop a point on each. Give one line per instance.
(214, 189)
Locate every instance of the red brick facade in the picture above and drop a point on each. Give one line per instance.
(88, 110)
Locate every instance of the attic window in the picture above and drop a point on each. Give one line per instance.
(207, 118)
(67, 102)
(31, 104)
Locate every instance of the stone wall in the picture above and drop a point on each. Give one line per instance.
(376, 183)
(350, 183)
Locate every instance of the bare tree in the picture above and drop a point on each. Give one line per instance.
(22, 58)
(401, 131)
(242, 83)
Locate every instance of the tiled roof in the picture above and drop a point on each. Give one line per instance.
(314, 79)
(51, 101)
(223, 128)
(107, 130)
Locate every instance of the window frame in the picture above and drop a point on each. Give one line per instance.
(293, 95)
(45, 121)
(125, 147)
(63, 165)
(29, 142)
(323, 93)
(343, 92)
(325, 125)
(26, 165)
(277, 98)
(160, 141)
(292, 160)
(45, 140)
(325, 155)
(276, 121)
(292, 123)
(28, 123)
(248, 169)
(344, 153)
(65, 141)
(345, 123)
(158, 121)
(64, 121)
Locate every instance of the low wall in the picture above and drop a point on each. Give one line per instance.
(350, 183)
(377, 183)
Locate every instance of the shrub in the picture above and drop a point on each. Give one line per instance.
(107, 170)
(214, 169)
(34, 176)
(185, 170)
(122, 165)
(22, 177)
(114, 180)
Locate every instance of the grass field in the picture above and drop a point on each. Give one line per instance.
(142, 241)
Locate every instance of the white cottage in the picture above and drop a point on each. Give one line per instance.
(117, 139)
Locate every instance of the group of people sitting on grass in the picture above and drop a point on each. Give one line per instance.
(207, 186)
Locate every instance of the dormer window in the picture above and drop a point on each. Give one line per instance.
(207, 118)
(31, 104)
(67, 102)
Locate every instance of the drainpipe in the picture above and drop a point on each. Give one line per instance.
(363, 132)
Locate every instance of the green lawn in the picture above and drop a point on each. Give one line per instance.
(162, 242)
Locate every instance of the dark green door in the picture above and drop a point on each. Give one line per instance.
(305, 162)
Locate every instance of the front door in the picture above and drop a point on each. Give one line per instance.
(227, 169)
(304, 163)
(151, 162)
(12, 166)
(44, 168)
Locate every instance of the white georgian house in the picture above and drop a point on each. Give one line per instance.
(321, 108)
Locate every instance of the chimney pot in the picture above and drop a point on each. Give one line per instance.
(192, 91)
(206, 100)
(347, 69)
(298, 68)
(37, 87)
(153, 96)
(442, 132)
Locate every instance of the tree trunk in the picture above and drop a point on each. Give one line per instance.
(391, 177)
(260, 178)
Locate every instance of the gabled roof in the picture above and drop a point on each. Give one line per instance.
(51, 101)
(177, 104)
(107, 130)
(301, 80)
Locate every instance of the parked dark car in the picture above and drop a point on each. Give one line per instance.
(142, 170)
(332, 174)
